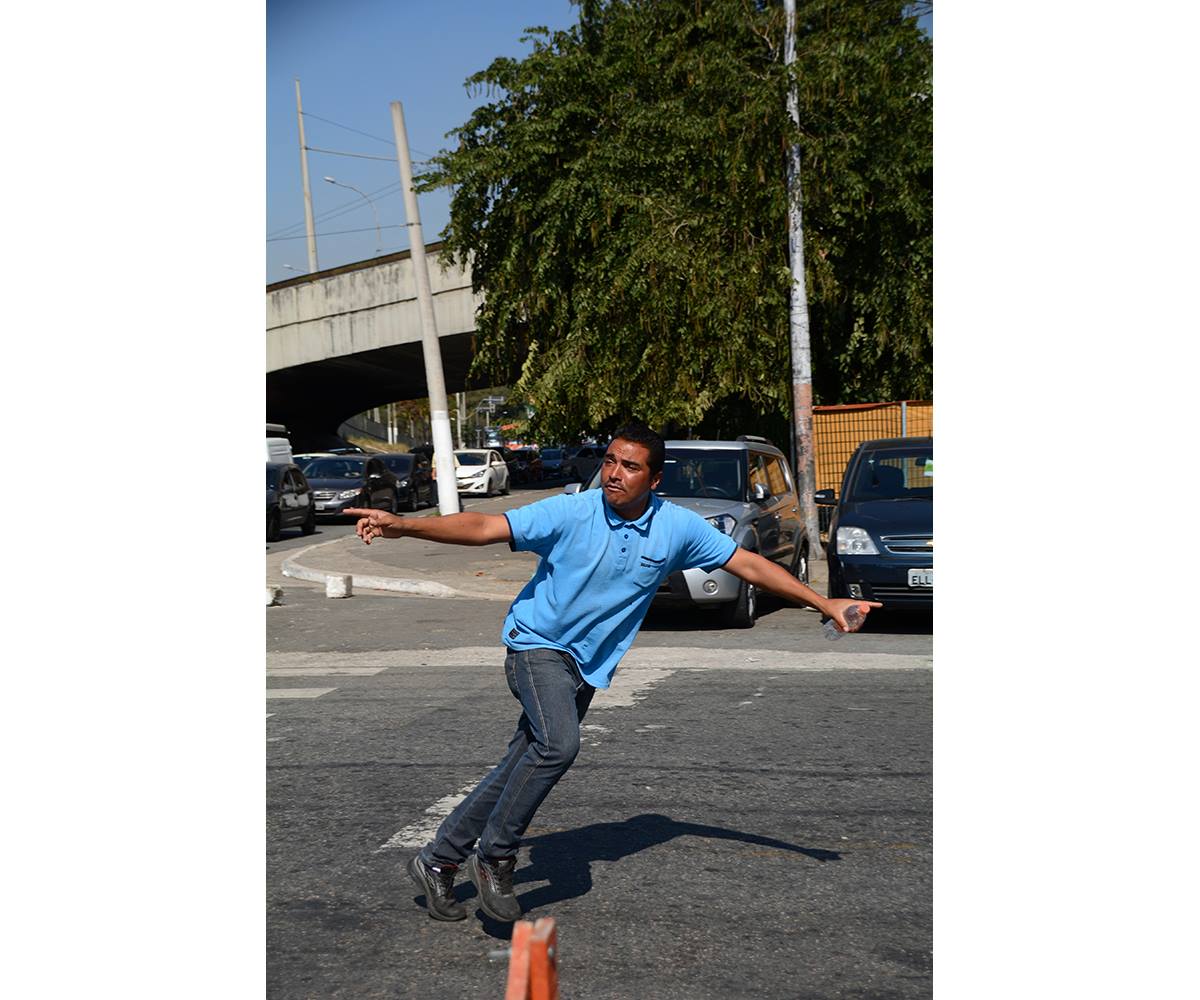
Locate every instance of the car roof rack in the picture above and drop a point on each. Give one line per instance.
(756, 438)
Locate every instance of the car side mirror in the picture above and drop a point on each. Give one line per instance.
(572, 487)
(760, 492)
(825, 498)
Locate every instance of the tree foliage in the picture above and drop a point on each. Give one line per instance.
(621, 199)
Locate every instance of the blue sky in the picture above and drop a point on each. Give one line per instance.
(353, 59)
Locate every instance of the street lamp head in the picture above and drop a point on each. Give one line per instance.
(331, 180)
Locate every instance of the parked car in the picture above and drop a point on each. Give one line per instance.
(745, 489)
(481, 470)
(583, 464)
(290, 501)
(414, 475)
(881, 532)
(352, 481)
(529, 465)
(552, 462)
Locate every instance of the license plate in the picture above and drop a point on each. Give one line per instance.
(321, 506)
(920, 577)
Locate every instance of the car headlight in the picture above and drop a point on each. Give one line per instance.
(403, 483)
(347, 494)
(476, 475)
(855, 542)
(724, 523)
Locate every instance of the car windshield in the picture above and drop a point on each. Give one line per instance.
(272, 477)
(695, 472)
(895, 474)
(554, 454)
(398, 463)
(470, 458)
(335, 468)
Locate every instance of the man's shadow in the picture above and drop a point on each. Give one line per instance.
(564, 859)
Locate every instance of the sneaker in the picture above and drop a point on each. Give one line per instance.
(437, 883)
(493, 879)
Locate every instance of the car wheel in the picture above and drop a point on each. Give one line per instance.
(800, 569)
(504, 492)
(310, 522)
(742, 612)
(395, 505)
(273, 526)
(413, 500)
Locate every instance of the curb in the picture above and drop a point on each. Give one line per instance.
(358, 581)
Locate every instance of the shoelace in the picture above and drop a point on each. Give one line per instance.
(501, 874)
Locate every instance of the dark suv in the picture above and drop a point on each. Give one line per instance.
(745, 489)
(881, 533)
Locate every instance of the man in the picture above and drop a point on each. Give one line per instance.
(603, 554)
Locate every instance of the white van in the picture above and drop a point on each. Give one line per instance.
(279, 445)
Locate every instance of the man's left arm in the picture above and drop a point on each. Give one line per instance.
(763, 573)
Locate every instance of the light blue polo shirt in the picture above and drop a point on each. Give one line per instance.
(598, 573)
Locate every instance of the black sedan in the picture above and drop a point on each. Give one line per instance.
(352, 481)
(414, 475)
(290, 501)
(881, 533)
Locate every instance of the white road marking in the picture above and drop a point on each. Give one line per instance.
(297, 692)
(324, 671)
(269, 714)
(419, 834)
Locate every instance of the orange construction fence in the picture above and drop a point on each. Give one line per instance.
(533, 961)
(838, 430)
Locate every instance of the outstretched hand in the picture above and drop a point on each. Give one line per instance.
(837, 611)
(374, 524)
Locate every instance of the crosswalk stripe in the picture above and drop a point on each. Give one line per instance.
(297, 692)
(330, 671)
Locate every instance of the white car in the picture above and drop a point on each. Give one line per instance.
(481, 471)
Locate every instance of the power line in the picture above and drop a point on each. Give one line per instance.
(344, 208)
(387, 142)
(361, 156)
(340, 232)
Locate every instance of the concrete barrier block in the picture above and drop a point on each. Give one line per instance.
(338, 585)
(274, 596)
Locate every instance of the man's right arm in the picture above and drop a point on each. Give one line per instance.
(453, 529)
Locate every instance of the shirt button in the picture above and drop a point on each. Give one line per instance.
(622, 550)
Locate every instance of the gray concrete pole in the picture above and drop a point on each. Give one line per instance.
(801, 349)
(308, 213)
(439, 413)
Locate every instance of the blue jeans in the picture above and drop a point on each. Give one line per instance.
(554, 698)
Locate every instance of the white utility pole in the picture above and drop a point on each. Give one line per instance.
(308, 215)
(439, 414)
(802, 423)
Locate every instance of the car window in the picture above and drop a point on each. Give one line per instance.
(400, 464)
(335, 468)
(694, 472)
(758, 473)
(470, 458)
(272, 478)
(896, 474)
(777, 480)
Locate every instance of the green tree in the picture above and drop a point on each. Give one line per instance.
(622, 202)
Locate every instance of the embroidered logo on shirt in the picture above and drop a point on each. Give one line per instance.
(512, 633)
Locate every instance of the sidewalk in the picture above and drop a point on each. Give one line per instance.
(431, 569)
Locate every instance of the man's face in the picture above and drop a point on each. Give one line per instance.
(625, 474)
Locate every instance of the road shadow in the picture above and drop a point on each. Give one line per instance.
(564, 859)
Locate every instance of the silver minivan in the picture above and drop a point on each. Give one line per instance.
(745, 489)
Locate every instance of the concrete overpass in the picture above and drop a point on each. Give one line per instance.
(343, 340)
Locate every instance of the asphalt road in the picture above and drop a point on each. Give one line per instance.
(750, 815)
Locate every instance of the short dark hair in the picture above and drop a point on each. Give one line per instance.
(638, 433)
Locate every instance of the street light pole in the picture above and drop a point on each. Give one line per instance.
(378, 231)
(308, 212)
(439, 414)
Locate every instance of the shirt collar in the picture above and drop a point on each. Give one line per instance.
(642, 524)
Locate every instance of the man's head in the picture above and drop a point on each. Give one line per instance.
(632, 467)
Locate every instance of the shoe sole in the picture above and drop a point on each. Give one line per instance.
(477, 879)
(420, 884)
